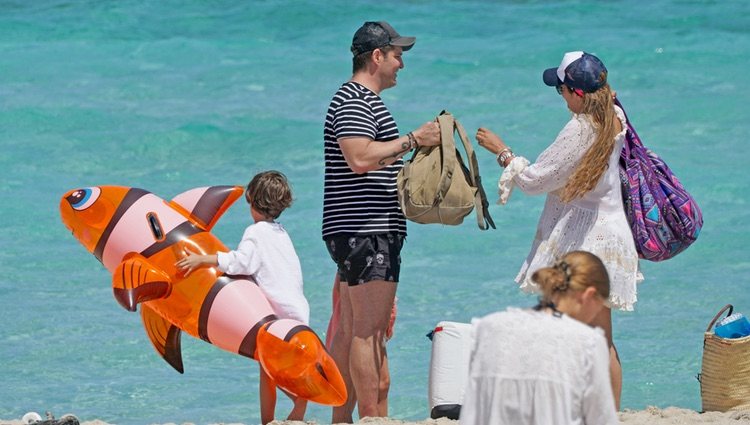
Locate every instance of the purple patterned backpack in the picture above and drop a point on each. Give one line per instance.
(663, 217)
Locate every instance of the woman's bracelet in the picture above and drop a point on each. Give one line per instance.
(412, 140)
(504, 156)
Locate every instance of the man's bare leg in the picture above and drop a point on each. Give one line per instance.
(371, 305)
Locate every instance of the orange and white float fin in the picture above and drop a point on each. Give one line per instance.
(164, 336)
(295, 358)
(204, 206)
(136, 280)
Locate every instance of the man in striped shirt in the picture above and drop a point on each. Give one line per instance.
(363, 226)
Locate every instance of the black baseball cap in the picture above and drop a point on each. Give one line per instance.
(578, 70)
(374, 35)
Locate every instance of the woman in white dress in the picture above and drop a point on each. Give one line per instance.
(546, 365)
(579, 173)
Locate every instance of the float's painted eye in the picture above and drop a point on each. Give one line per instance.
(83, 198)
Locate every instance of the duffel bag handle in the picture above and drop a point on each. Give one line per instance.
(728, 306)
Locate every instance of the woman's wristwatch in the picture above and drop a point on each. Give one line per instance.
(504, 156)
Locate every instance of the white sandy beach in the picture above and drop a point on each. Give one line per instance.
(648, 416)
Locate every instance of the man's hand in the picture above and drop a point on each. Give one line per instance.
(428, 134)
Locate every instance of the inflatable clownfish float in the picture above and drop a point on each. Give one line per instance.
(138, 237)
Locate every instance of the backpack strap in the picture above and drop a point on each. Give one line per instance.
(484, 220)
(446, 122)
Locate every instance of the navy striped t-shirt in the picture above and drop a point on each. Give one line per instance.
(359, 203)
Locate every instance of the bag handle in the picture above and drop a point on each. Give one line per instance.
(484, 220)
(626, 143)
(728, 306)
(631, 137)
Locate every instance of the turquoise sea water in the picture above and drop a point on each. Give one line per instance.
(168, 96)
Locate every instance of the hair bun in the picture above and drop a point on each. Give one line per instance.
(566, 270)
(550, 280)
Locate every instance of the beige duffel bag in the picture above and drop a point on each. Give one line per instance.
(435, 186)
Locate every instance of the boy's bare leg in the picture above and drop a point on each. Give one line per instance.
(267, 390)
(298, 411)
(340, 349)
(385, 385)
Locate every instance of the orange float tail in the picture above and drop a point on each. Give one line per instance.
(294, 357)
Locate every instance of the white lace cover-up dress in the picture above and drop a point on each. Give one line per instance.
(594, 222)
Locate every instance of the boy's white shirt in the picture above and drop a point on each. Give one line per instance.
(266, 253)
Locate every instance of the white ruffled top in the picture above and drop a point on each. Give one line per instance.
(594, 222)
(530, 367)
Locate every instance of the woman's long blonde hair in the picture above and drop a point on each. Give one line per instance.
(598, 105)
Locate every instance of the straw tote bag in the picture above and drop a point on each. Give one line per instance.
(725, 371)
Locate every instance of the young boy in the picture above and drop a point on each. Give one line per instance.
(266, 253)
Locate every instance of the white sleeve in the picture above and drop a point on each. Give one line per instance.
(598, 401)
(242, 261)
(554, 166)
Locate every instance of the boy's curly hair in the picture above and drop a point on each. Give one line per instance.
(269, 193)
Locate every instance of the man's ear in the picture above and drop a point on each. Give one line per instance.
(377, 56)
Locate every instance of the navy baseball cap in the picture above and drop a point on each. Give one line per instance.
(578, 70)
(374, 35)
